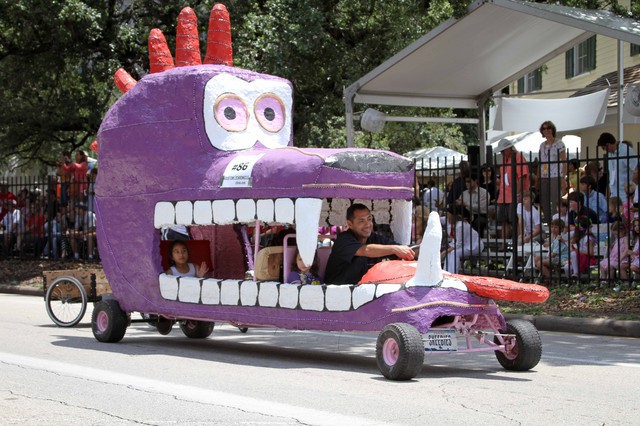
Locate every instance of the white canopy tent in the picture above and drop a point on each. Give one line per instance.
(436, 158)
(462, 62)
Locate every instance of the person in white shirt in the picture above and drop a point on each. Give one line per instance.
(84, 231)
(622, 161)
(432, 197)
(11, 223)
(466, 240)
(529, 224)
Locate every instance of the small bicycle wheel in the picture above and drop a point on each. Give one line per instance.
(66, 301)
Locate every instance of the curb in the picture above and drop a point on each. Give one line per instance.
(600, 326)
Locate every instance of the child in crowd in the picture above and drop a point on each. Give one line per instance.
(563, 211)
(303, 274)
(615, 210)
(628, 210)
(634, 253)
(529, 223)
(582, 248)
(180, 265)
(618, 253)
(558, 251)
(573, 175)
(466, 240)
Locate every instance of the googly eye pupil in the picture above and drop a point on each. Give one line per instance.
(269, 114)
(229, 113)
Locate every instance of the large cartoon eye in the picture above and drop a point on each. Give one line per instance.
(231, 113)
(269, 111)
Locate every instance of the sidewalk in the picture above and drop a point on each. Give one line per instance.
(598, 326)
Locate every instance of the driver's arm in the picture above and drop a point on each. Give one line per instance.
(381, 250)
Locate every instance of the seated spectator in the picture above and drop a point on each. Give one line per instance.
(488, 181)
(573, 175)
(618, 253)
(576, 210)
(634, 253)
(432, 197)
(476, 200)
(84, 231)
(529, 223)
(34, 226)
(614, 214)
(558, 250)
(595, 171)
(563, 212)
(582, 248)
(303, 274)
(593, 199)
(11, 223)
(466, 241)
(629, 207)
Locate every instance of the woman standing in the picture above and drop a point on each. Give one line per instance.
(552, 155)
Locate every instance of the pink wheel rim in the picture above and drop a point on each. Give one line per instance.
(511, 349)
(390, 351)
(102, 321)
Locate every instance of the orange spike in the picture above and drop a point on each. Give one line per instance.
(187, 39)
(219, 49)
(123, 80)
(160, 58)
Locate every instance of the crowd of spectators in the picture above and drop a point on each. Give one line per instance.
(54, 219)
(574, 216)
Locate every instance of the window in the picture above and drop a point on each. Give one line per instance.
(581, 58)
(530, 82)
(635, 49)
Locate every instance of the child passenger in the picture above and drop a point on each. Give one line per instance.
(303, 274)
(180, 265)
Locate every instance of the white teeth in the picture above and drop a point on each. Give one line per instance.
(401, 211)
(184, 213)
(189, 290)
(265, 210)
(164, 215)
(246, 211)
(202, 213)
(284, 210)
(279, 211)
(307, 216)
(168, 287)
(224, 212)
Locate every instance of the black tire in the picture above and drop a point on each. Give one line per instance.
(196, 329)
(109, 322)
(66, 301)
(400, 351)
(164, 325)
(526, 352)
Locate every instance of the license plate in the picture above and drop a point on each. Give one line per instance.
(441, 341)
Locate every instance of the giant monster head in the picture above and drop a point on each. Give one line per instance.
(210, 144)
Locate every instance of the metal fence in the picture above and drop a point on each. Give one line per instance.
(535, 217)
(47, 217)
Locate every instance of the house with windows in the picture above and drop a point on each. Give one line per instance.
(587, 67)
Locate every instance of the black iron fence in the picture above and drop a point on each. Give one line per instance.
(551, 218)
(47, 217)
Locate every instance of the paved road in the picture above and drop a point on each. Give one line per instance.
(54, 375)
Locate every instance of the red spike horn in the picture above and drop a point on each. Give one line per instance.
(160, 58)
(123, 80)
(187, 39)
(219, 49)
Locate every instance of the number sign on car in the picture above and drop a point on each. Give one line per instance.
(441, 341)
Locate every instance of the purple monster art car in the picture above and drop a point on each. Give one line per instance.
(208, 147)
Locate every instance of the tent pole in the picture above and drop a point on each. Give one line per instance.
(482, 128)
(348, 104)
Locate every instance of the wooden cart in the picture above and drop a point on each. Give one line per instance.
(67, 292)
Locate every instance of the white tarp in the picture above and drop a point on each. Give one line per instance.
(567, 114)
